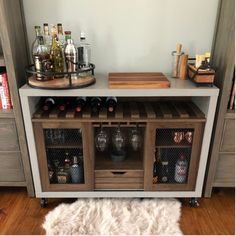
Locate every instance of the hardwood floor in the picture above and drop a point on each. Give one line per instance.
(20, 214)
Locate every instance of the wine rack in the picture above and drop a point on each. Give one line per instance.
(129, 111)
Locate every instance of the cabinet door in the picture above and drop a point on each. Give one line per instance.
(172, 153)
(65, 155)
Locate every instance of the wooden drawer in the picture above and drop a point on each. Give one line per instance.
(11, 169)
(225, 172)
(123, 179)
(8, 135)
(228, 136)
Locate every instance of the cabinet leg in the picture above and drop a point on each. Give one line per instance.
(43, 202)
(193, 202)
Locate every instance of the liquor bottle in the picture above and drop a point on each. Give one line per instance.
(60, 35)
(95, 104)
(80, 103)
(67, 163)
(46, 35)
(157, 167)
(71, 57)
(181, 168)
(48, 104)
(84, 52)
(35, 43)
(67, 36)
(56, 54)
(76, 171)
(164, 166)
(111, 103)
(41, 58)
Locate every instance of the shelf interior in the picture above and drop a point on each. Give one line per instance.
(133, 161)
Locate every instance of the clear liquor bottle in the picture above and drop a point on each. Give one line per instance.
(41, 58)
(60, 35)
(46, 35)
(84, 52)
(35, 43)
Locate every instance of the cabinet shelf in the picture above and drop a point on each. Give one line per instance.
(65, 146)
(7, 113)
(2, 61)
(132, 162)
(174, 146)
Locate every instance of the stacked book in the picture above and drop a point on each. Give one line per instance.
(5, 98)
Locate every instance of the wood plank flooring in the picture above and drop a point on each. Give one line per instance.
(20, 214)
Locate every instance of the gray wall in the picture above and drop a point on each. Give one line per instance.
(130, 35)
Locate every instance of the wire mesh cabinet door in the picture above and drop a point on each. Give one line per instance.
(65, 155)
(172, 153)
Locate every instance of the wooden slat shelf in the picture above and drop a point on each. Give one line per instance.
(130, 111)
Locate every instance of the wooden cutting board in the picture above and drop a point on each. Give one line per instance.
(146, 80)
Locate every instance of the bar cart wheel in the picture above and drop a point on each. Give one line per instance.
(43, 202)
(193, 202)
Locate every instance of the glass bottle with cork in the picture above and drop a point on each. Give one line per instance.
(56, 55)
(41, 58)
(47, 36)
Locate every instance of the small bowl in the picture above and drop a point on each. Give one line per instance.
(118, 156)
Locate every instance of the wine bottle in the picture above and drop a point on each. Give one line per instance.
(48, 104)
(62, 104)
(95, 104)
(80, 103)
(111, 103)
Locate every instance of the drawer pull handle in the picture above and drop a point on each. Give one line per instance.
(118, 172)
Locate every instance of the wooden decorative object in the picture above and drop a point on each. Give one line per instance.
(138, 80)
(201, 76)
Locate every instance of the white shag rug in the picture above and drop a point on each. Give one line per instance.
(115, 217)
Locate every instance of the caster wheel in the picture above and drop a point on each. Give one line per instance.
(43, 202)
(193, 202)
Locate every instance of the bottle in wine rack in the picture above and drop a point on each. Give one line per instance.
(62, 104)
(48, 104)
(80, 103)
(95, 104)
(111, 103)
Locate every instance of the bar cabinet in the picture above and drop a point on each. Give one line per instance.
(173, 123)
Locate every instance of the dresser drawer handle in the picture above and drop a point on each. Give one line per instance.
(118, 172)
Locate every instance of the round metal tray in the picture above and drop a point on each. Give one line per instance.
(83, 77)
